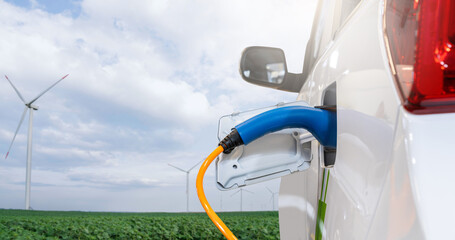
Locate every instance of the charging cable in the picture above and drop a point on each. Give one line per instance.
(205, 204)
(320, 122)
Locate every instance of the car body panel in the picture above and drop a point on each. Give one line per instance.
(392, 171)
(416, 202)
(367, 104)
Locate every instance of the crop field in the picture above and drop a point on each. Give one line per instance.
(20, 224)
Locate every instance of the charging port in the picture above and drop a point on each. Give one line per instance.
(327, 155)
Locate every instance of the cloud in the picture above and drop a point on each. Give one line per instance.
(131, 65)
(148, 82)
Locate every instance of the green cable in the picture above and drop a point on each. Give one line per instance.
(323, 180)
(328, 175)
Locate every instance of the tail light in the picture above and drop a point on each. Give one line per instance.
(420, 37)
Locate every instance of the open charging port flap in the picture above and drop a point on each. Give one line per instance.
(271, 156)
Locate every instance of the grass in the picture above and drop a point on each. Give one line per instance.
(21, 224)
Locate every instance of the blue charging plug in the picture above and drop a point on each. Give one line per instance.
(319, 122)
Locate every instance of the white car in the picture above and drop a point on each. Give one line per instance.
(388, 68)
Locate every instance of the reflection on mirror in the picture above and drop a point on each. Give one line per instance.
(263, 65)
(275, 72)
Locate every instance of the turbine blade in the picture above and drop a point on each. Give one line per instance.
(269, 190)
(17, 130)
(248, 191)
(49, 88)
(15, 89)
(176, 167)
(195, 165)
(235, 193)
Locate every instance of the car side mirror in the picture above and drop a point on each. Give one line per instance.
(266, 66)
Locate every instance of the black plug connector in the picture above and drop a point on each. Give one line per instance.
(231, 141)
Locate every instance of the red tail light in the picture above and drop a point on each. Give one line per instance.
(421, 35)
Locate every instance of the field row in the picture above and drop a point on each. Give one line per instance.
(17, 224)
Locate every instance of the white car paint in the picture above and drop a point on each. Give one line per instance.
(392, 175)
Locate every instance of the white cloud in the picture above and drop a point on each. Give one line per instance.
(148, 82)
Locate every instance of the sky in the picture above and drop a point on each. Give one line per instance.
(148, 81)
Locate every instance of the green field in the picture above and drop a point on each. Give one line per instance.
(20, 224)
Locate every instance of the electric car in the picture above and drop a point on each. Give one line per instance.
(388, 70)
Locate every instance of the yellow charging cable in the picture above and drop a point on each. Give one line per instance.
(205, 204)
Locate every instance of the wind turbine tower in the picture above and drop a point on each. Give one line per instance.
(241, 197)
(30, 107)
(187, 182)
(272, 198)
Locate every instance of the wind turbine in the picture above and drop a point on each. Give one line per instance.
(28, 106)
(187, 182)
(272, 198)
(241, 197)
